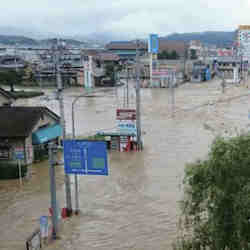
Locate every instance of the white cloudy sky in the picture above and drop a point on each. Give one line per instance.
(133, 17)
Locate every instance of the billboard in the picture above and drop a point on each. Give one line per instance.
(153, 44)
(125, 114)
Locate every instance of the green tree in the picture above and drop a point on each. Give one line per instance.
(11, 78)
(174, 55)
(193, 54)
(110, 71)
(164, 55)
(216, 203)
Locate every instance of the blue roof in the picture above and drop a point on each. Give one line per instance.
(46, 134)
(116, 134)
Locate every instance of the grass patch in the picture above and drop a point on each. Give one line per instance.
(26, 94)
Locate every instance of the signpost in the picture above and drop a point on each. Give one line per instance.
(44, 227)
(153, 44)
(126, 121)
(153, 49)
(19, 155)
(85, 157)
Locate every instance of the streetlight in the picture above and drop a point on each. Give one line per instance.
(73, 136)
(138, 99)
(57, 56)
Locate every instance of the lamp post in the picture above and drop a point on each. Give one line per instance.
(73, 136)
(138, 99)
(62, 120)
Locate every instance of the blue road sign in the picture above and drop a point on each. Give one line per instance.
(85, 157)
(19, 155)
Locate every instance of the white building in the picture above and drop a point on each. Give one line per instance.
(243, 42)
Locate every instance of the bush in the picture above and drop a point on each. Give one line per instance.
(10, 170)
(216, 203)
(26, 94)
(40, 153)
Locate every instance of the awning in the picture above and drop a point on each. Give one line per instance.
(46, 134)
(116, 134)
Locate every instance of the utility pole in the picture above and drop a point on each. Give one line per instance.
(127, 86)
(52, 151)
(15, 57)
(185, 59)
(138, 99)
(62, 122)
(173, 92)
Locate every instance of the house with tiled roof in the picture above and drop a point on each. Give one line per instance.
(126, 49)
(27, 130)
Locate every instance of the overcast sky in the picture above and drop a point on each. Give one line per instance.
(132, 17)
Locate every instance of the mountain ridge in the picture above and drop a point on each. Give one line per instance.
(218, 38)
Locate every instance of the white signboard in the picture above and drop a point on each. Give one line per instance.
(127, 126)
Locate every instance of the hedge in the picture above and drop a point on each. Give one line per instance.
(10, 170)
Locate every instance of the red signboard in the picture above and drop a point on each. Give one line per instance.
(125, 114)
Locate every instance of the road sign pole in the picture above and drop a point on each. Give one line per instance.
(20, 172)
(127, 87)
(76, 177)
(52, 149)
(76, 194)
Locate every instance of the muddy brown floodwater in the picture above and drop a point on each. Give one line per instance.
(136, 206)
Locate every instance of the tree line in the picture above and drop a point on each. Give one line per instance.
(166, 55)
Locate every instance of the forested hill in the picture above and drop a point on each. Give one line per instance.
(218, 38)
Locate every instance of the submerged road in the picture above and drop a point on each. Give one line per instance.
(136, 206)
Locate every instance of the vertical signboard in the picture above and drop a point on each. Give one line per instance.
(88, 83)
(153, 44)
(244, 42)
(44, 226)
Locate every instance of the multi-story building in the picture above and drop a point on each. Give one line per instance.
(243, 42)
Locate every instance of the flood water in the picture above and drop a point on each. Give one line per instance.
(136, 206)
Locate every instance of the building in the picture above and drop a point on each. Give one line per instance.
(11, 62)
(243, 42)
(6, 98)
(27, 130)
(126, 50)
(195, 49)
(178, 46)
(225, 52)
(228, 68)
